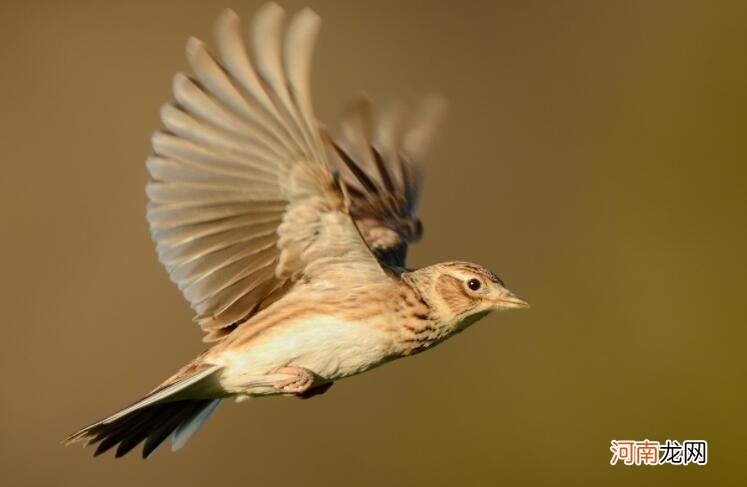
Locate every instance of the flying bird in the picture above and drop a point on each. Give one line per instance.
(288, 243)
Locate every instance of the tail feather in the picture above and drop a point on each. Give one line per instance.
(165, 430)
(176, 410)
(187, 429)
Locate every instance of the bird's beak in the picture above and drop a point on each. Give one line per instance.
(508, 300)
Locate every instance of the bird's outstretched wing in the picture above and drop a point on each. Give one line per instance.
(379, 165)
(242, 200)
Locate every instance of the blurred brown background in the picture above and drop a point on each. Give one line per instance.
(594, 157)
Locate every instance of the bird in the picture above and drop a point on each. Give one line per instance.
(289, 243)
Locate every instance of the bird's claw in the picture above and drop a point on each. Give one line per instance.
(301, 380)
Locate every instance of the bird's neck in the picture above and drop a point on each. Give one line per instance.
(418, 321)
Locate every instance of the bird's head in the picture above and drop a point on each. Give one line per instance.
(460, 293)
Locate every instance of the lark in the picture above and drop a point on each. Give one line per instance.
(289, 243)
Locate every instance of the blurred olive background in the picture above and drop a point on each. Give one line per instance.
(593, 156)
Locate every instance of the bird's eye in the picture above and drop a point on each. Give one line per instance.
(474, 284)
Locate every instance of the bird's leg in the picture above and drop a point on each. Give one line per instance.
(301, 380)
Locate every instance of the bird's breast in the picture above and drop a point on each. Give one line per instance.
(332, 347)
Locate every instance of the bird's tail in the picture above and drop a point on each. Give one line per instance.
(176, 409)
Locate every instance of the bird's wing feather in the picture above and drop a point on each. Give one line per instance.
(242, 202)
(379, 165)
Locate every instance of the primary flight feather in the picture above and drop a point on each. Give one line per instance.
(289, 244)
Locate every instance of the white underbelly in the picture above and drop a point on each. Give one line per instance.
(329, 347)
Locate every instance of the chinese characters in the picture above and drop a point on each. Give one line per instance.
(634, 452)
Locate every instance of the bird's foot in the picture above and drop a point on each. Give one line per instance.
(301, 380)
